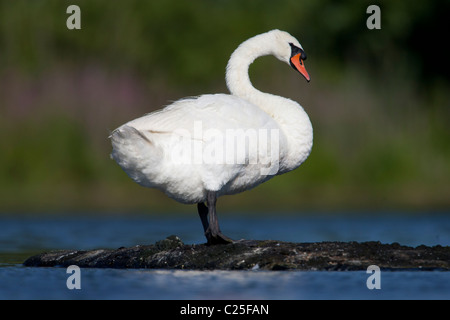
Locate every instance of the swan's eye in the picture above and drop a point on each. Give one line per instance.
(296, 50)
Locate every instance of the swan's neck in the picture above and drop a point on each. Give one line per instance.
(290, 116)
(237, 78)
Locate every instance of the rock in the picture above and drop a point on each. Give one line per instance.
(171, 242)
(171, 253)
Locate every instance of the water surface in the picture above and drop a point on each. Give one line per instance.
(22, 237)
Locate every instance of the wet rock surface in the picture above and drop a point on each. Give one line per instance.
(171, 253)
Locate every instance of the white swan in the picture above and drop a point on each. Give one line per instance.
(198, 149)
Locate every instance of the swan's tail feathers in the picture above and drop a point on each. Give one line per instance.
(128, 139)
(135, 152)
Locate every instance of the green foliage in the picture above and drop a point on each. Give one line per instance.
(378, 99)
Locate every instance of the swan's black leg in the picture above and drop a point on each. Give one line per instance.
(203, 213)
(212, 232)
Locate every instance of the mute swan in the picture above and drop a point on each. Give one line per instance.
(200, 148)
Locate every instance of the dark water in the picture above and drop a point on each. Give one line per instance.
(22, 237)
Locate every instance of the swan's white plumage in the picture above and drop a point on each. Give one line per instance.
(146, 148)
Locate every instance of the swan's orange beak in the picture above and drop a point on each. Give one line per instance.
(299, 65)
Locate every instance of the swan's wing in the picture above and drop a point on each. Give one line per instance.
(219, 112)
(215, 129)
(191, 139)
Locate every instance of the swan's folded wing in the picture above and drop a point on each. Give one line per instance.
(219, 112)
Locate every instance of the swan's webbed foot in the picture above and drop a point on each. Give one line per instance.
(218, 238)
(211, 227)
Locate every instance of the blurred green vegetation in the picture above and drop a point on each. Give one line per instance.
(378, 99)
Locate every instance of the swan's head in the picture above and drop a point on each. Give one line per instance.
(289, 50)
